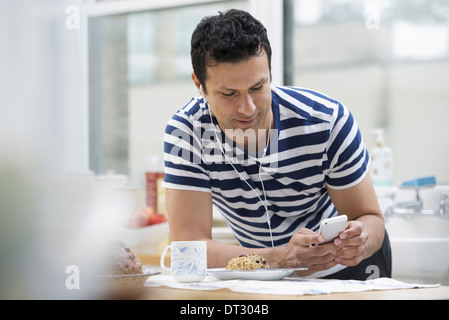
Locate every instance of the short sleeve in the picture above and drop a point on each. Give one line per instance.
(347, 157)
(184, 166)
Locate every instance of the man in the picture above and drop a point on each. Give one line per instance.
(274, 160)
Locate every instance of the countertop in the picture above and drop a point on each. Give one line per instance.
(166, 293)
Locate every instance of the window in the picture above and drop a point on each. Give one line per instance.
(388, 62)
(139, 74)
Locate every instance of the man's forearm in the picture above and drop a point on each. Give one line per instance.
(219, 253)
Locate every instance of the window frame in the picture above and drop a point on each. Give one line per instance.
(269, 12)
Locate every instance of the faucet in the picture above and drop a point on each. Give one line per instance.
(444, 204)
(408, 209)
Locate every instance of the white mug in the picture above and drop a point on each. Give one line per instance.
(188, 260)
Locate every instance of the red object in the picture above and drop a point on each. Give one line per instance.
(156, 218)
(152, 182)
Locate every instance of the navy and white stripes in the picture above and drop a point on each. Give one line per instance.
(316, 143)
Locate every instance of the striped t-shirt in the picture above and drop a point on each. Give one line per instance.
(316, 144)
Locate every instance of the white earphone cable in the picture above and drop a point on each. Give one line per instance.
(240, 175)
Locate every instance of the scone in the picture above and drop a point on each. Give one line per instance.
(247, 262)
(122, 261)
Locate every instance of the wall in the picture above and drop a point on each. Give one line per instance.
(419, 115)
(356, 66)
(149, 114)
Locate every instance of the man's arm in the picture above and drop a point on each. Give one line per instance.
(366, 227)
(190, 218)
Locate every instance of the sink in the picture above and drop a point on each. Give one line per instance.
(428, 227)
(419, 243)
(421, 260)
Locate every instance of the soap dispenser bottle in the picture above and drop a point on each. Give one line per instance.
(381, 167)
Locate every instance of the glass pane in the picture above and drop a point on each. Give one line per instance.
(140, 68)
(388, 62)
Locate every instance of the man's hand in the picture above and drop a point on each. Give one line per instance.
(365, 217)
(303, 251)
(352, 244)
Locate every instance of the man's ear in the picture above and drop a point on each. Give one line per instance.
(196, 81)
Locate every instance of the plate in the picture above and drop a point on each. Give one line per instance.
(265, 274)
(129, 279)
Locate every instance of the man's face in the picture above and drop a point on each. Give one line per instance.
(239, 94)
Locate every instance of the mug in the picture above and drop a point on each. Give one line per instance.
(188, 260)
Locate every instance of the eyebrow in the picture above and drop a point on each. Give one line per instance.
(264, 79)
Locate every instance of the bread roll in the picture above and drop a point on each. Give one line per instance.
(122, 261)
(247, 262)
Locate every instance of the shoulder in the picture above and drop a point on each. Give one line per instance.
(307, 103)
(194, 113)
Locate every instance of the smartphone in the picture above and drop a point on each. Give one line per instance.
(332, 227)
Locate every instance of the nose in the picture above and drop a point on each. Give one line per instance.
(246, 105)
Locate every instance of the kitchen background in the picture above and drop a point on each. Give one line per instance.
(386, 60)
(86, 88)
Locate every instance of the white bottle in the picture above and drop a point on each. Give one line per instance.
(381, 167)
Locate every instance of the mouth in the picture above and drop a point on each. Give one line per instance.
(246, 122)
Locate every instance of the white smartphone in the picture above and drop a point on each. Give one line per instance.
(332, 227)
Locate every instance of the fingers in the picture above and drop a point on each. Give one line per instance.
(316, 263)
(353, 229)
(316, 267)
(350, 262)
(306, 238)
(304, 252)
(352, 244)
(320, 258)
(348, 249)
(354, 235)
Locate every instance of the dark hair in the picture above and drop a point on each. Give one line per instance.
(233, 36)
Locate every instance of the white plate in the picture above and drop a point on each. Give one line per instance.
(145, 273)
(266, 274)
(128, 279)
